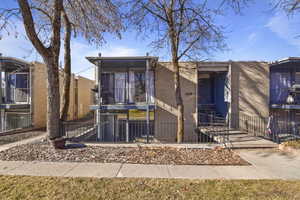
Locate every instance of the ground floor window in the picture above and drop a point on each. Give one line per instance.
(114, 126)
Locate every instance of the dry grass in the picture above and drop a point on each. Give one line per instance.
(25, 187)
(294, 144)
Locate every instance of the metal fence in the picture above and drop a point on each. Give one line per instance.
(212, 128)
(273, 128)
(14, 121)
(116, 132)
(108, 131)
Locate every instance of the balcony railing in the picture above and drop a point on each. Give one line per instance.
(16, 95)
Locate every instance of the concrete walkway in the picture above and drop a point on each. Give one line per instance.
(266, 165)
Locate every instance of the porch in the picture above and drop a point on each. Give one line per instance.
(213, 91)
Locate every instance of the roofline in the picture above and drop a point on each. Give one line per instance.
(15, 60)
(285, 60)
(97, 58)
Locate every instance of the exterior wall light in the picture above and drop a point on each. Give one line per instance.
(290, 99)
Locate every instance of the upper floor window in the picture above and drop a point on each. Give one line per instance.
(17, 88)
(18, 80)
(122, 87)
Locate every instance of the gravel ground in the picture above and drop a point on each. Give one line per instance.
(144, 155)
(19, 136)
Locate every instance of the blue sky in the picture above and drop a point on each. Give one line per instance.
(257, 34)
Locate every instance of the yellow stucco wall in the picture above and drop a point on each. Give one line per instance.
(250, 90)
(39, 94)
(85, 95)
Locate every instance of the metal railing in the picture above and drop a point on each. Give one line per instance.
(212, 129)
(76, 129)
(273, 128)
(109, 131)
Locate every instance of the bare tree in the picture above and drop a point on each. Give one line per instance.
(186, 27)
(88, 18)
(65, 97)
(289, 6)
(44, 22)
(92, 19)
(50, 54)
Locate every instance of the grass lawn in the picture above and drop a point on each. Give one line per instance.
(25, 187)
(294, 144)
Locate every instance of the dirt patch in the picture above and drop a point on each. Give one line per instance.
(143, 155)
(6, 139)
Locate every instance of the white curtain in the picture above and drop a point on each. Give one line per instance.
(131, 87)
(120, 85)
(151, 86)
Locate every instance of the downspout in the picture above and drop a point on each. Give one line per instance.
(31, 94)
(1, 111)
(147, 99)
(99, 135)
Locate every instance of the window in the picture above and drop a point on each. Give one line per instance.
(297, 78)
(107, 88)
(140, 87)
(22, 81)
(17, 88)
(120, 86)
(18, 80)
(137, 87)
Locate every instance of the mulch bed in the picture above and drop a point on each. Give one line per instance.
(143, 155)
(6, 139)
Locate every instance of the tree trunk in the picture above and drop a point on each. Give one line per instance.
(179, 103)
(51, 57)
(53, 122)
(65, 98)
(174, 40)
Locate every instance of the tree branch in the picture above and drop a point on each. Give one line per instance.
(30, 27)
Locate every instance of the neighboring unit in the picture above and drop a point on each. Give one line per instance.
(285, 97)
(15, 94)
(23, 101)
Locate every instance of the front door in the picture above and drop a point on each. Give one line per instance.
(205, 94)
(109, 128)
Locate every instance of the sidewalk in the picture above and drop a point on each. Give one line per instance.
(110, 170)
(266, 165)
